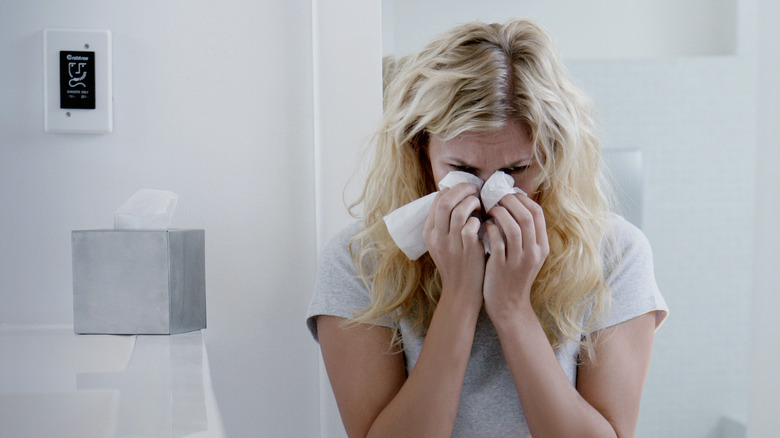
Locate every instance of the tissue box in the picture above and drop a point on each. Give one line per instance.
(138, 281)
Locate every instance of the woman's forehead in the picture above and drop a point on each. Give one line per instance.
(513, 136)
(506, 147)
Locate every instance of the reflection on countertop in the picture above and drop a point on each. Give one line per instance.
(56, 383)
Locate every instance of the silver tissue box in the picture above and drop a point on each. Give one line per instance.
(138, 281)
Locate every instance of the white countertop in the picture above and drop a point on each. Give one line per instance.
(54, 383)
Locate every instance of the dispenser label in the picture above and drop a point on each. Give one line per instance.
(77, 80)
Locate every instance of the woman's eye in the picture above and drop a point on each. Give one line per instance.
(517, 169)
(466, 169)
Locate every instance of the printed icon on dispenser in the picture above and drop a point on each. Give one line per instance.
(77, 80)
(77, 72)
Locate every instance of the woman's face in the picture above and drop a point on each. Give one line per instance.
(508, 149)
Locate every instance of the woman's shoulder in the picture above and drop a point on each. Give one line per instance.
(625, 231)
(629, 272)
(338, 291)
(624, 239)
(340, 242)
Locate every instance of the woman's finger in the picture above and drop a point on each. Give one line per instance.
(446, 201)
(439, 217)
(513, 236)
(496, 240)
(463, 211)
(470, 231)
(522, 216)
(538, 217)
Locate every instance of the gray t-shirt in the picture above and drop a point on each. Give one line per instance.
(489, 404)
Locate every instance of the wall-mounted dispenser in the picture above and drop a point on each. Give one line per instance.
(77, 81)
(625, 171)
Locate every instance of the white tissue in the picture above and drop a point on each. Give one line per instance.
(406, 224)
(496, 187)
(147, 209)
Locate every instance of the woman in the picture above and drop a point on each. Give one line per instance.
(548, 335)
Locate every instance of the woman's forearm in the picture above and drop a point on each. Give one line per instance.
(427, 404)
(551, 404)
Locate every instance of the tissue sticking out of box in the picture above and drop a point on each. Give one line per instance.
(147, 209)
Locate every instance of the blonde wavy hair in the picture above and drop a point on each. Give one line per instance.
(476, 77)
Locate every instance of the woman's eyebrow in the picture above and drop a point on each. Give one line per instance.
(519, 163)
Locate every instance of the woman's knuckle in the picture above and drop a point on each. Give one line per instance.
(525, 218)
(537, 210)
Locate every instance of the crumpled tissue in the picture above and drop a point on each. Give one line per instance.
(148, 209)
(406, 223)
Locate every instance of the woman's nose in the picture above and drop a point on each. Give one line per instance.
(484, 176)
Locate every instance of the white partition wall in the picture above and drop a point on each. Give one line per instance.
(213, 101)
(347, 107)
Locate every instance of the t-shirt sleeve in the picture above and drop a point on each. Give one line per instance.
(338, 291)
(631, 278)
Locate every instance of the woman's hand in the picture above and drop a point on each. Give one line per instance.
(451, 234)
(518, 248)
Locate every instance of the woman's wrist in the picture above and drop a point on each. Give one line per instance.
(511, 318)
(463, 302)
(465, 291)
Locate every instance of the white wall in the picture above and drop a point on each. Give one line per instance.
(586, 29)
(693, 117)
(212, 100)
(764, 388)
(687, 116)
